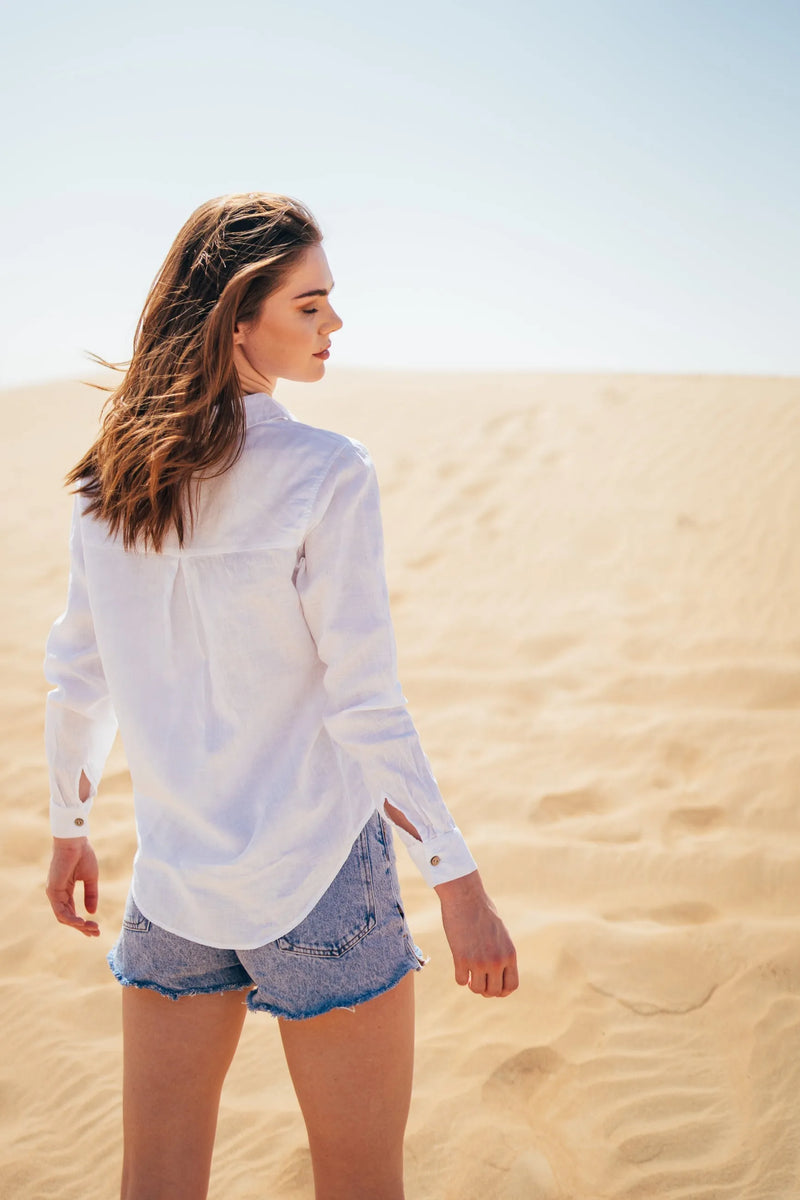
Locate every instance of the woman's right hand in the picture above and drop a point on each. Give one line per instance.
(73, 861)
(483, 953)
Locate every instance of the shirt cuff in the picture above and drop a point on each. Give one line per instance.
(69, 822)
(441, 858)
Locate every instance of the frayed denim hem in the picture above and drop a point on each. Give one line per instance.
(171, 993)
(275, 1010)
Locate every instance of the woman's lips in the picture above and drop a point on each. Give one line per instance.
(323, 354)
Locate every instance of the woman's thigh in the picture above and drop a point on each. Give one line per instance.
(176, 1056)
(352, 1073)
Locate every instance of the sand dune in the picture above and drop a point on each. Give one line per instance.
(596, 590)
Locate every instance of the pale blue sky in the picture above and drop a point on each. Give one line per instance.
(565, 185)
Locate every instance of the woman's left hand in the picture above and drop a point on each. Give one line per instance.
(73, 861)
(483, 953)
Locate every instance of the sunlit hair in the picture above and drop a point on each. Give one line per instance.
(178, 414)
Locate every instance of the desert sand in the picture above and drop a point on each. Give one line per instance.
(595, 582)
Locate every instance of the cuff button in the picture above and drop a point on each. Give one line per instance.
(78, 821)
(435, 860)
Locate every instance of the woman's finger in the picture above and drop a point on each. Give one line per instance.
(494, 978)
(497, 980)
(478, 982)
(65, 914)
(462, 971)
(90, 894)
(510, 979)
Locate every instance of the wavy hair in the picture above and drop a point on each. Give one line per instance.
(178, 414)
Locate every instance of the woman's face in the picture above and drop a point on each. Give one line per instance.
(292, 327)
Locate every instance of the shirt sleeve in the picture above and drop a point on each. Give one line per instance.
(80, 722)
(341, 581)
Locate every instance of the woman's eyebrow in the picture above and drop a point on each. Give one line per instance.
(317, 292)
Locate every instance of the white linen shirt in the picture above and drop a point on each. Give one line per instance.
(253, 676)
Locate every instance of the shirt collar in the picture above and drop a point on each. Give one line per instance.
(261, 407)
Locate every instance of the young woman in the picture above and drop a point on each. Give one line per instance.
(228, 610)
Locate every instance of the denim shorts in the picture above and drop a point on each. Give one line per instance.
(353, 945)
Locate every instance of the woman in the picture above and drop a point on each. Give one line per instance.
(228, 610)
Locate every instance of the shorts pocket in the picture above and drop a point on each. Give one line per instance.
(344, 915)
(134, 920)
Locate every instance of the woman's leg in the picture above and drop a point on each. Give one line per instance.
(176, 1056)
(352, 1074)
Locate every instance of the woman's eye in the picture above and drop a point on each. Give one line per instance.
(310, 310)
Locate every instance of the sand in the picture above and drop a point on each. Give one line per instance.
(595, 581)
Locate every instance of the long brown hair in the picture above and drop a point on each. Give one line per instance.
(178, 413)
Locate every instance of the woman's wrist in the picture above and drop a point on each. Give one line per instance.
(464, 889)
